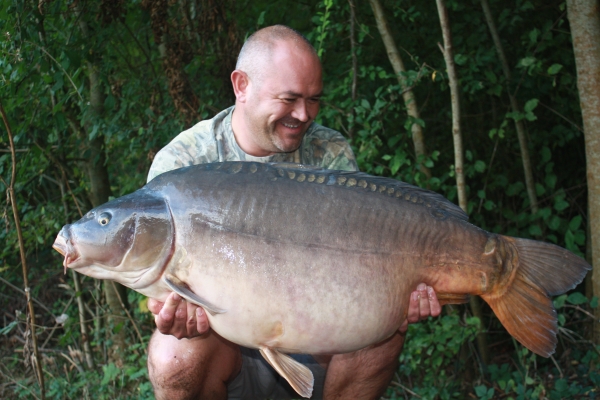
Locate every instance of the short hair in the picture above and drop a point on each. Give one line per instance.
(258, 48)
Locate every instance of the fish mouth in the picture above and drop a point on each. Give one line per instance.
(62, 246)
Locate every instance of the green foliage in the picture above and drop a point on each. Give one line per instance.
(430, 355)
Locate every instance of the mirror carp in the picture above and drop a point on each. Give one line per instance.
(293, 259)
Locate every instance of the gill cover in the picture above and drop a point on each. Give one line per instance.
(128, 240)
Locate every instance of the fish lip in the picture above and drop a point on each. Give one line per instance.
(65, 248)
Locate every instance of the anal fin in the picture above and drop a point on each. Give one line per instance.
(182, 289)
(298, 375)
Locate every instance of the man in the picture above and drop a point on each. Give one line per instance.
(277, 84)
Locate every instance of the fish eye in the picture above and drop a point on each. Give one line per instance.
(104, 218)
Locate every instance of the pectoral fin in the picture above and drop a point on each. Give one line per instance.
(298, 375)
(182, 289)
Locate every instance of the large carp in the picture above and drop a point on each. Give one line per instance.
(290, 259)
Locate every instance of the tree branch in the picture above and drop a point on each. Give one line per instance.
(13, 201)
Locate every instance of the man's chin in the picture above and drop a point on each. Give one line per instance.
(290, 144)
(287, 143)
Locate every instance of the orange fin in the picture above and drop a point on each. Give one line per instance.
(524, 306)
(298, 375)
(452, 298)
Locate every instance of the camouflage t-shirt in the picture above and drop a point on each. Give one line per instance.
(212, 140)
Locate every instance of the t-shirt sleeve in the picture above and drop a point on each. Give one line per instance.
(328, 149)
(197, 145)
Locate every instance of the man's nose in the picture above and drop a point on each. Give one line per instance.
(300, 111)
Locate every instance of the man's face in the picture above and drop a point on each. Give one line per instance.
(281, 105)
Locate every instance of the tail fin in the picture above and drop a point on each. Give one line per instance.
(524, 306)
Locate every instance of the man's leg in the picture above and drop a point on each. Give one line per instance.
(193, 368)
(364, 374)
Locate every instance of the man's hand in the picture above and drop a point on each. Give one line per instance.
(179, 318)
(423, 303)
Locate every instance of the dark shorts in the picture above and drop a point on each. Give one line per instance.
(258, 380)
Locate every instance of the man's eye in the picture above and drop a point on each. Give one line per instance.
(289, 100)
(314, 100)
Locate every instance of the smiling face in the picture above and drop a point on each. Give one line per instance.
(274, 109)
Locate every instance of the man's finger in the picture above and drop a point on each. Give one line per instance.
(434, 304)
(202, 324)
(166, 316)
(191, 320)
(155, 306)
(424, 306)
(413, 308)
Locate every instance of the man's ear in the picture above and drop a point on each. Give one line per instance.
(240, 83)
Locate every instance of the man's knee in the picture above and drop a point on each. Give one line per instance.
(174, 365)
(188, 368)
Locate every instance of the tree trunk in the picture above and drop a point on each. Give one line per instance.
(353, 87)
(514, 104)
(407, 93)
(458, 152)
(100, 192)
(584, 18)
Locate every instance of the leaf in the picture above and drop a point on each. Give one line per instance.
(479, 166)
(6, 330)
(111, 371)
(461, 59)
(529, 107)
(527, 61)
(554, 222)
(529, 380)
(561, 385)
(261, 19)
(575, 223)
(535, 230)
(560, 204)
(554, 69)
(481, 391)
(577, 298)
(560, 301)
(94, 132)
(533, 35)
(491, 76)
(551, 181)
(546, 154)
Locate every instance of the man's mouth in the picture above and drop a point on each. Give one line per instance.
(291, 126)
